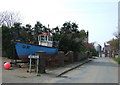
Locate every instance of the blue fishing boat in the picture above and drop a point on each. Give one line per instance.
(46, 44)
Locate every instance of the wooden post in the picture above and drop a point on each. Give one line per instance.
(41, 63)
(30, 65)
(71, 56)
(37, 64)
(61, 58)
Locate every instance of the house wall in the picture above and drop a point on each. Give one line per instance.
(108, 51)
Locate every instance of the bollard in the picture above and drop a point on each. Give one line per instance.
(71, 56)
(61, 58)
(41, 63)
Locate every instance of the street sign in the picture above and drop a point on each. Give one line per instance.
(33, 56)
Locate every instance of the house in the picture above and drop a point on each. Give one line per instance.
(99, 49)
(107, 50)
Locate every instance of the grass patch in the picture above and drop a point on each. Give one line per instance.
(117, 60)
(38, 75)
(22, 76)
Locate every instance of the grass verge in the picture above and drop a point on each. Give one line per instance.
(117, 60)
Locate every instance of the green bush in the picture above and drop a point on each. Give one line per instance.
(7, 46)
(117, 60)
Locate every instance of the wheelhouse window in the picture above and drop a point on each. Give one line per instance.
(43, 38)
(49, 38)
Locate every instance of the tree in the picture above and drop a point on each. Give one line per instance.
(16, 31)
(9, 34)
(83, 34)
(37, 29)
(114, 43)
(90, 48)
(8, 18)
(66, 27)
(74, 27)
(70, 38)
(56, 33)
(29, 31)
(7, 48)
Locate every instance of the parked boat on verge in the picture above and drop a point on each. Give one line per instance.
(46, 44)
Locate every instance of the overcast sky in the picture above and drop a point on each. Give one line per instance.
(99, 17)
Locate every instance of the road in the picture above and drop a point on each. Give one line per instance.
(101, 70)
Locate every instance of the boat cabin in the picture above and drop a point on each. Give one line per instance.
(45, 39)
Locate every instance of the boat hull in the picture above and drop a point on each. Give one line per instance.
(23, 50)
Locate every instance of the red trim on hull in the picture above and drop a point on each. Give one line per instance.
(23, 57)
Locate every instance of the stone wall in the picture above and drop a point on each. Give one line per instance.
(80, 56)
(60, 58)
(69, 57)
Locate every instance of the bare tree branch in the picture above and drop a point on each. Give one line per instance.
(8, 18)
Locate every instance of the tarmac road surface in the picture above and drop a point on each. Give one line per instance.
(101, 70)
